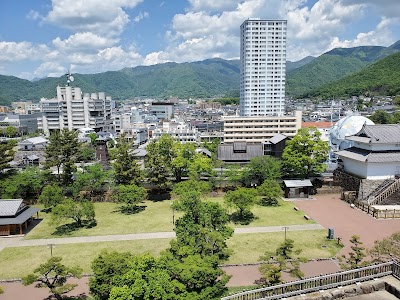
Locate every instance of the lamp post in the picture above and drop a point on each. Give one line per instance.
(285, 228)
(173, 212)
(51, 246)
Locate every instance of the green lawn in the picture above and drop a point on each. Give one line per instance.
(17, 262)
(247, 248)
(157, 217)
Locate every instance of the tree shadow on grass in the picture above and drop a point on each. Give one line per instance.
(244, 219)
(67, 229)
(130, 210)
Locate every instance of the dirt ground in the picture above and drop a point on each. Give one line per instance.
(327, 210)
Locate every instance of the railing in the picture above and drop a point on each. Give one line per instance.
(318, 283)
(391, 189)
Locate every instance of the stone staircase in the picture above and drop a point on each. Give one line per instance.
(384, 190)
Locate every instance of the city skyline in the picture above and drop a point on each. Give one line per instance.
(46, 38)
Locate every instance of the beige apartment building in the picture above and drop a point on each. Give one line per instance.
(258, 129)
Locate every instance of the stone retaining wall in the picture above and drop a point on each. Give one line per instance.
(352, 290)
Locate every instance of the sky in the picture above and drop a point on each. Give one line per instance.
(40, 38)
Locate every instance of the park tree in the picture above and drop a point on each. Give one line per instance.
(86, 153)
(81, 212)
(285, 259)
(212, 147)
(105, 267)
(6, 154)
(243, 199)
(261, 168)
(25, 184)
(53, 275)
(158, 161)
(271, 192)
(146, 279)
(189, 186)
(11, 131)
(126, 167)
(200, 166)
(90, 180)
(61, 152)
(182, 157)
(51, 196)
(130, 196)
(236, 175)
(305, 154)
(356, 256)
(387, 249)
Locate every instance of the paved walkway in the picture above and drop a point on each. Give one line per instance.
(20, 242)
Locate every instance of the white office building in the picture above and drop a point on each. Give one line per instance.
(72, 110)
(263, 67)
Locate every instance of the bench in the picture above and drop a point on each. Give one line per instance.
(307, 217)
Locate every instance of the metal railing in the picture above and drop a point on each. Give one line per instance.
(319, 283)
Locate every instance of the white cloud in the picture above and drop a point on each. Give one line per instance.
(83, 42)
(49, 69)
(102, 17)
(213, 5)
(141, 16)
(33, 15)
(380, 36)
(387, 8)
(12, 51)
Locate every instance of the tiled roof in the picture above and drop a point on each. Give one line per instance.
(10, 207)
(226, 152)
(381, 133)
(371, 157)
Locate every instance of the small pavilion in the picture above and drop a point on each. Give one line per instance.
(297, 188)
(15, 216)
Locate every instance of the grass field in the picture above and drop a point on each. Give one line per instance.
(17, 262)
(157, 217)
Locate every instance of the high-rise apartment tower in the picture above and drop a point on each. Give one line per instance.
(263, 67)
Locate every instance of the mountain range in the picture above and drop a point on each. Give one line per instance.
(207, 78)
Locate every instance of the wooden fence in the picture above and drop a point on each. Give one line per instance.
(378, 213)
(321, 282)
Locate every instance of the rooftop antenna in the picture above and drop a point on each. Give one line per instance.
(70, 78)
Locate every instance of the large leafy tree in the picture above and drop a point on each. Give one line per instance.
(242, 199)
(6, 154)
(25, 184)
(79, 211)
(201, 166)
(126, 167)
(271, 193)
(51, 196)
(305, 154)
(105, 267)
(53, 275)
(11, 131)
(183, 155)
(158, 161)
(90, 180)
(62, 152)
(146, 279)
(130, 195)
(261, 168)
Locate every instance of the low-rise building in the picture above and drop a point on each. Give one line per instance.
(259, 129)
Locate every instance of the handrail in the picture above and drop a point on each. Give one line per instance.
(391, 189)
(320, 282)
